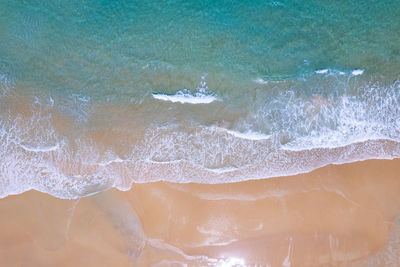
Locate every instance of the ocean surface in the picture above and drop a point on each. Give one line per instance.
(101, 94)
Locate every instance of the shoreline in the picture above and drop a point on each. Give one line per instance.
(47, 148)
(337, 214)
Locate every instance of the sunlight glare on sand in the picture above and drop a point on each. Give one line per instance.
(232, 262)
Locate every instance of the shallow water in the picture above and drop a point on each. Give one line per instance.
(100, 94)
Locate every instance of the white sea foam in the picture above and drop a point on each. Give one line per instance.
(223, 170)
(82, 98)
(249, 135)
(272, 81)
(323, 71)
(39, 148)
(185, 97)
(201, 95)
(276, 4)
(116, 160)
(260, 81)
(357, 72)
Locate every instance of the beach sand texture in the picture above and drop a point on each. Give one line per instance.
(338, 215)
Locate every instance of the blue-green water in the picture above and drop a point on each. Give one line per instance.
(116, 48)
(281, 87)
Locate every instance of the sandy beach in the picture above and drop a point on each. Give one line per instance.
(336, 215)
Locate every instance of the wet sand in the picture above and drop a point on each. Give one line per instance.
(336, 215)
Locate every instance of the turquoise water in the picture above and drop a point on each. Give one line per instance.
(206, 91)
(114, 48)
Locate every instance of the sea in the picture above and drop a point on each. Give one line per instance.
(100, 94)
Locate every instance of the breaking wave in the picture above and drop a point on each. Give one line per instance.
(202, 95)
(186, 97)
